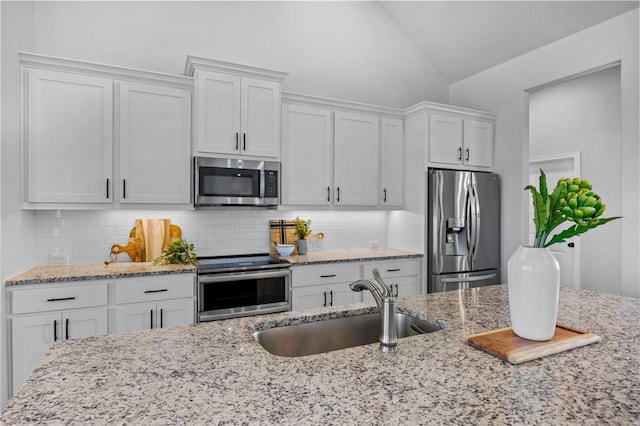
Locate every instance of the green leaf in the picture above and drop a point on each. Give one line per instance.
(540, 211)
(576, 230)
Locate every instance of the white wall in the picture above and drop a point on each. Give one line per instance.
(87, 236)
(502, 89)
(583, 115)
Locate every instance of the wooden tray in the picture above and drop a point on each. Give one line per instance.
(506, 345)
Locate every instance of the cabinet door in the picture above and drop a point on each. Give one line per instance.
(217, 115)
(445, 139)
(356, 159)
(84, 323)
(391, 163)
(478, 143)
(138, 316)
(69, 137)
(173, 313)
(341, 294)
(260, 118)
(307, 163)
(31, 338)
(310, 297)
(154, 144)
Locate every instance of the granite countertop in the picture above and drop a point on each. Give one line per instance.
(93, 271)
(215, 373)
(351, 255)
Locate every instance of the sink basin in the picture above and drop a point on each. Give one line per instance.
(336, 333)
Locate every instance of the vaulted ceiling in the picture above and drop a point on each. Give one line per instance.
(462, 38)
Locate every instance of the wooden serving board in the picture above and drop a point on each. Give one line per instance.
(506, 345)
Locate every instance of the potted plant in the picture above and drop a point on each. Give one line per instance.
(533, 273)
(302, 231)
(178, 252)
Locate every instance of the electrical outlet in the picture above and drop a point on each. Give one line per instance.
(59, 258)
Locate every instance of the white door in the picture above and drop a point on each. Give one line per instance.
(260, 118)
(139, 316)
(84, 323)
(356, 159)
(391, 162)
(173, 313)
(154, 144)
(307, 163)
(32, 336)
(69, 139)
(310, 297)
(568, 253)
(445, 139)
(478, 143)
(341, 294)
(217, 112)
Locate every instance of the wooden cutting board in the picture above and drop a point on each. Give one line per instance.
(148, 239)
(506, 345)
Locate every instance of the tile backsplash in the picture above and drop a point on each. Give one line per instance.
(87, 236)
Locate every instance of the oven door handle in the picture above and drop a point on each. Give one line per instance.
(215, 278)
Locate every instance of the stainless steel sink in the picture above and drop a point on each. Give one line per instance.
(337, 333)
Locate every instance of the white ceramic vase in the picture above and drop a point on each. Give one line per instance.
(533, 276)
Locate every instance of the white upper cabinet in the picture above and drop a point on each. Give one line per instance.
(68, 137)
(457, 140)
(155, 124)
(356, 159)
(391, 162)
(98, 136)
(237, 108)
(307, 155)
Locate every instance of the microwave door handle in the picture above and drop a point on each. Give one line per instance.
(205, 279)
(262, 184)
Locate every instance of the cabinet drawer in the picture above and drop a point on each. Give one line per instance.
(58, 298)
(325, 274)
(149, 289)
(393, 268)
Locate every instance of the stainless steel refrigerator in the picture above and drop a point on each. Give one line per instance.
(463, 240)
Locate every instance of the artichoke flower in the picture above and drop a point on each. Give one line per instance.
(572, 200)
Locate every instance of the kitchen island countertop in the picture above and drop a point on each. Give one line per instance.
(351, 255)
(216, 373)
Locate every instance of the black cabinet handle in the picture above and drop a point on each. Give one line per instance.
(237, 141)
(393, 270)
(124, 188)
(151, 312)
(161, 318)
(328, 276)
(156, 291)
(325, 299)
(338, 195)
(459, 153)
(244, 141)
(328, 194)
(467, 154)
(55, 330)
(60, 299)
(396, 290)
(66, 328)
(572, 245)
(384, 198)
(331, 298)
(107, 188)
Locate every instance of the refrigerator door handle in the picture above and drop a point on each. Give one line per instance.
(474, 213)
(468, 279)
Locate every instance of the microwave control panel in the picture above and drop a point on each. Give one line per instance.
(271, 184)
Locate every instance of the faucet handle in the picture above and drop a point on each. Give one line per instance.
(385, 286)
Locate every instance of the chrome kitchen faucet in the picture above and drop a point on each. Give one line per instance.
(386, 302)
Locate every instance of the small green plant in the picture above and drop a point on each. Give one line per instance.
(179, 252)
(571, 200)
(302, 228)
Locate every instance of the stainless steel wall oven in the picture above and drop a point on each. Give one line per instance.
(242, 286)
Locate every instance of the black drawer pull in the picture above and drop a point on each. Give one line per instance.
(60, 299)
(151, 321)
(55, 330)
(66, 328)
(393, 270)
(328, 276)
(156, 291)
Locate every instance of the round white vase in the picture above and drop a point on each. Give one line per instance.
(533, 277)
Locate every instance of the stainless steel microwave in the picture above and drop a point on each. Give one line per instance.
(236, 182)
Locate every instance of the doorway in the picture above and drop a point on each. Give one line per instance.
(582, 116)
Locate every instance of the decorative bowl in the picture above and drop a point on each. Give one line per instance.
(285, 249)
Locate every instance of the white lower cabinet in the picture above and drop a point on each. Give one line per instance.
(42, 314)
(403, 275)
(317, 296)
